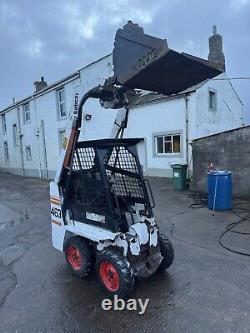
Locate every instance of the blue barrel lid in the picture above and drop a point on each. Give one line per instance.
(219, 172)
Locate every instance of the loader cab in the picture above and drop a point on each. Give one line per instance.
(106, 185)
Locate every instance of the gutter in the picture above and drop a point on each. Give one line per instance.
(41, 92)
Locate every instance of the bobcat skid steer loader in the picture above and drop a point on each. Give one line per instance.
(101, 206)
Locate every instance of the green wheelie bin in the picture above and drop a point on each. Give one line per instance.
(180, 176)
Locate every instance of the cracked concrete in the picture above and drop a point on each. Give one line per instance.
(10, 254)
(207, 288)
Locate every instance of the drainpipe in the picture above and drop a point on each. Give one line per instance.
(20, 140)
(187, 132)
(38, 143)
(44, 149)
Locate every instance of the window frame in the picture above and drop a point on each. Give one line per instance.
(214, 92)
(61, 102)
(28, 147)
(25, 112)
(166, 134)
(6, 155)
(61, 130)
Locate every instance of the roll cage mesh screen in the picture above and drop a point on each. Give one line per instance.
(84, 158)
(87, 185)
(122, 170)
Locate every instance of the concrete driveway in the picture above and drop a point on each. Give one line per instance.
(207, 289)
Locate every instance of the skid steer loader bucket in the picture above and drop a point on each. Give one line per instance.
(145, 62)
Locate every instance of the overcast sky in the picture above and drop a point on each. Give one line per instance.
(53, 38)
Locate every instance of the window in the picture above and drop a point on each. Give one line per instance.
(15, 137)
(6, 152)
(4, 126)
(62, 140)
(212, 100)
(28, 153)
(168, 144)
(61, 103)
(26, 113)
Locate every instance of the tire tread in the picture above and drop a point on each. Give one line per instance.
(85, 250)
(167, 251)
(123, 265)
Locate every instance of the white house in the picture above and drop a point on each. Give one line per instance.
(32, 129)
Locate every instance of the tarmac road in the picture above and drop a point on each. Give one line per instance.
(207, 289)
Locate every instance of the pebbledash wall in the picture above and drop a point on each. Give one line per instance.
(31, 148)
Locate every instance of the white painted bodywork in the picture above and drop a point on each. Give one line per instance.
(139, 234)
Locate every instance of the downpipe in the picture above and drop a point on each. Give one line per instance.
(187, 133)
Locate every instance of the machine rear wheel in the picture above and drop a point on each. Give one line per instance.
(167, 251)
(78, 255)
(114, 273)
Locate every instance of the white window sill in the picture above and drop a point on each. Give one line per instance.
(168, 155)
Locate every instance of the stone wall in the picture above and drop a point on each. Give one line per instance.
(228, 150)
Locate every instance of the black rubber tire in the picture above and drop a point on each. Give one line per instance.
(86, 253)
(125, 272)
(167, 251)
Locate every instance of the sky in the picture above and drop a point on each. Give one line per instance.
(53, 38)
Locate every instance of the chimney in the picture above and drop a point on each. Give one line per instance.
(39, 85)
(216, 54)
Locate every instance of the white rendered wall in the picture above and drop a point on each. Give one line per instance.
(183, 115)
(228, 113)
(156, 119)
(42, 132)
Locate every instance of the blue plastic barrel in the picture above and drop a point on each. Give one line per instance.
(219, 190)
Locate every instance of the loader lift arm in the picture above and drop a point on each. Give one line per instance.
(114, 94)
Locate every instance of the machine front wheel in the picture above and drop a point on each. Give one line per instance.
(114, 273)
(78, 256)
(167, 251)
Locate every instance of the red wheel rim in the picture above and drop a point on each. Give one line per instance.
(74, 257)
(109, 276)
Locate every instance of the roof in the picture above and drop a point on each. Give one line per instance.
(144, 98)
(68, 78)
(147, 97)
(42, 91)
